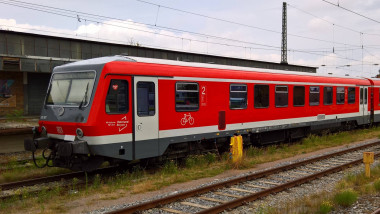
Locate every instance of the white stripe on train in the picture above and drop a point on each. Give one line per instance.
(118, 138)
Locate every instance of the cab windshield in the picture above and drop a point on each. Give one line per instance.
(71, 89)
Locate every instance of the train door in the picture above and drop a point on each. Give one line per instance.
(364, 103)
(146, 117)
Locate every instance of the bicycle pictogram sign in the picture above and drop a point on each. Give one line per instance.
(187, 118)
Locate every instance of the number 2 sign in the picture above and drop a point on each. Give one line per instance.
(203, 96)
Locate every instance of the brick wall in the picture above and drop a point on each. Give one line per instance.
(16, 89)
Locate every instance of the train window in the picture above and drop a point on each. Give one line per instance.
(314, 95)
(351, 95)
(281, 97)
(299, 95)
(327, 95)
(71, 89)
(261, 96)
(117, 97)
(340, 95)
(361, 96)
(186, 96)
(238, 96)
(365, 95)
(146, 99)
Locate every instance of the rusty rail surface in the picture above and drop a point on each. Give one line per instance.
(376, 211)
(237, 202)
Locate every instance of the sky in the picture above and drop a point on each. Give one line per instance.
(319, 33)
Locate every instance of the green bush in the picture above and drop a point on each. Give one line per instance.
(346, 198)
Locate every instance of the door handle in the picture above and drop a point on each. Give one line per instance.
(139, 127)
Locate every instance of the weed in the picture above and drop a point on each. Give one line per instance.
(325, 207)
(75, 184)
(253, 152)
(96, 182)
(210, 158)
(15, 115)
(170, 167)
(191, 161)
(346, 197)
(376, 185)
(43, 195)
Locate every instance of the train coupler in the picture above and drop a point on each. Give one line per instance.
(33, 144)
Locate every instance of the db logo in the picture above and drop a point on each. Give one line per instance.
(59, 130)
(115, 87)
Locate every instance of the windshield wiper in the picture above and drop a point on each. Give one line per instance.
(84, 98)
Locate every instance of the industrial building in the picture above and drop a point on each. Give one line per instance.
(27, 60)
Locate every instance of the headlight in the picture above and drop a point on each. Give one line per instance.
(79, 132)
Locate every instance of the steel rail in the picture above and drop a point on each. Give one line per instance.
(376, 211)
(201, 190)
(279, 188)
(35, 181)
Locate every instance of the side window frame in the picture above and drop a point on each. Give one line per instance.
(185, 91)
(314, 92)
(339, 93)
(126, 97)
(255, 95)
(294, 96)
(326, 95)
(149, 84)
(349, 101)
(240, 92)
(281, 92)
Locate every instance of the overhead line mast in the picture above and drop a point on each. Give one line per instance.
(284, 48)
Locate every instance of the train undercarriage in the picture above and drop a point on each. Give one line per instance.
(76, 155)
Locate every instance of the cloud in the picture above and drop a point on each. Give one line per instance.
(130, 32)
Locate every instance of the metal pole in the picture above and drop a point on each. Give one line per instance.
(284, 48)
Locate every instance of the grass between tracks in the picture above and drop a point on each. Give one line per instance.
(60, 199)
(344, 195)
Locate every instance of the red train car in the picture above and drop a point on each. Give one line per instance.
(128, 108)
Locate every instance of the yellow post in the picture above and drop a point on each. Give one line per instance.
(368, 158)
(236, 149)
(240, 147)
(232, 148)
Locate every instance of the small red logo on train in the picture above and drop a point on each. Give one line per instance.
(115, 87)
(59, 130)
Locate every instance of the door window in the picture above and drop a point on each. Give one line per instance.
(361, 95)
(146, 99)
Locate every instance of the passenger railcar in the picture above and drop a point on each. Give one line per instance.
(130, 108)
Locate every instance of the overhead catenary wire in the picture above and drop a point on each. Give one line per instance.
(351, 11)
(95, 18)
(168, 28)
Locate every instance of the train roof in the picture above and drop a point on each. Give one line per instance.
(119, 59)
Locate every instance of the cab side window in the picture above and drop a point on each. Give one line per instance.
(117, 97)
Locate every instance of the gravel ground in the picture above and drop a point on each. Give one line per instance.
(325, 184)
(282, 201)
(22, 123)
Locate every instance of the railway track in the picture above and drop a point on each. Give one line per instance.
(7, 188)
(232, 193)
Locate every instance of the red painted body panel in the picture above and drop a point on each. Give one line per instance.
(215, 100)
